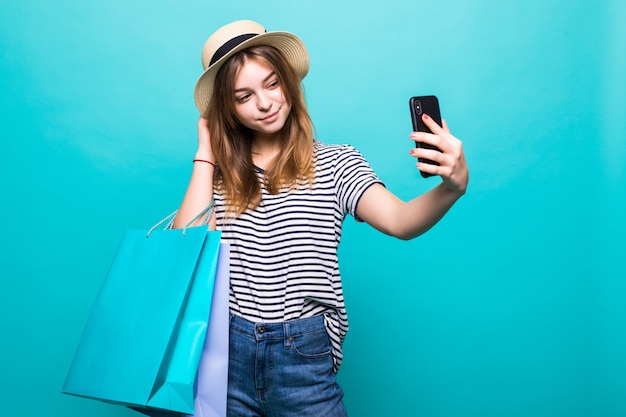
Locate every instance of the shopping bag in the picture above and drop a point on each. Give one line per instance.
(211, 387)
(143, 340)
(211, 384)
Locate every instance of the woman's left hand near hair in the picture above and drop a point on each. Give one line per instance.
(204, 141)
(452, 166)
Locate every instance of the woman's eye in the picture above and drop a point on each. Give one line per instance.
(273, 84)
(241, 99)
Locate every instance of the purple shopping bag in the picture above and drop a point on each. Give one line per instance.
(211, 385)
(210, 390)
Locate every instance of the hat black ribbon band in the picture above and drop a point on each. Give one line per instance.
(230, 45)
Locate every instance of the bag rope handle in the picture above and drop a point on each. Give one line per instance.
(205, 214)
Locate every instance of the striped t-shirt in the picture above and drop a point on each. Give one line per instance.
(284, 263)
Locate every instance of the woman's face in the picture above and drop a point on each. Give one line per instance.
(259, 101)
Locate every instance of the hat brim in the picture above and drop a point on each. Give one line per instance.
(288, 44)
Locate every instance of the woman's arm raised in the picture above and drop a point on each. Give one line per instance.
(406, 220)
(200, 190)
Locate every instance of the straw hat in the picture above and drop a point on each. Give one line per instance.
(235, 37)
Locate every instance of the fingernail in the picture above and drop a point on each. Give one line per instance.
(426, 116)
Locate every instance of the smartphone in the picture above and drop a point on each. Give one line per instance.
(429, 105)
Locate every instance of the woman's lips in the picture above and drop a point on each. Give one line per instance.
(270, 118)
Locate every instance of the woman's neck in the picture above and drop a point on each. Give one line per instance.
(264, 150)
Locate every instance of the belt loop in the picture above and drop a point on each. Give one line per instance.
(286, 335)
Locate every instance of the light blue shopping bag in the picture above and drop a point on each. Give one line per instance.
(144, 338)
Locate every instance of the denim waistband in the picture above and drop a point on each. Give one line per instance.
(278, 330)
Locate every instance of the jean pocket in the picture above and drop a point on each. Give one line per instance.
(311, 345)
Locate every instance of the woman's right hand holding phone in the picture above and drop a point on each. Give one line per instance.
(452, 166)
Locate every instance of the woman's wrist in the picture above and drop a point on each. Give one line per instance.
(205, 156)
(204, 161)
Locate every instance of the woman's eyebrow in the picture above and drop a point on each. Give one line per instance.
(270, 75)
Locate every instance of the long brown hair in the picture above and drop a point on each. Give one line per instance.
(231, 141)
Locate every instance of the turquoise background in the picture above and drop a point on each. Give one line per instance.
(513, 305)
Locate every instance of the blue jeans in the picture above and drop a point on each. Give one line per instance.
(282, 370)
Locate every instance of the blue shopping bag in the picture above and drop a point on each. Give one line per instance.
(143, 340)
(211, 382)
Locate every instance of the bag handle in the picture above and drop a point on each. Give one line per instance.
(205, 214)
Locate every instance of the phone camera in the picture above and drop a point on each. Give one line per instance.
(418, 108)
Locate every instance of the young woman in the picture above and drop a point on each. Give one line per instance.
(280, 200)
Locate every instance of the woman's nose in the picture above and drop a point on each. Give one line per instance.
(263, 102)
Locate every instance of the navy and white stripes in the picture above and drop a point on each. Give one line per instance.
(284, 263)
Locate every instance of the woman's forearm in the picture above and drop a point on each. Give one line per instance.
(418, 215)
(198, 195)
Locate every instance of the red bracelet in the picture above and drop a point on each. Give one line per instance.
(205, 161)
